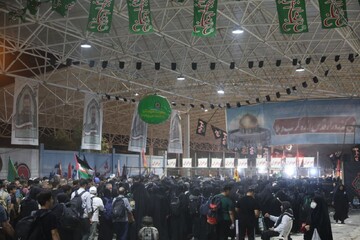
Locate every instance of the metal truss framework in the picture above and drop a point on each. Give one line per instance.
(47, 38)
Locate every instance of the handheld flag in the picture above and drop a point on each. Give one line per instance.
(12, 172)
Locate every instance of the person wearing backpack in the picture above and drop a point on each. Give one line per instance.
(148, 231)
(81, 202)
(47, 219)
(96, 206)
(6, 230)
(225, 217)
(195, 201)
(121, 212)
(106, 229)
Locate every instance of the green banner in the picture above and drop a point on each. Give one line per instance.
(62, 6)
(333, 13)
(100, 16)
(205, 12)
(292, 16)
(139, 16)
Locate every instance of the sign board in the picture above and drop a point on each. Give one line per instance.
(171, 163)
(308, 162)
(216, 162)
(156, 163)
(229, 162)
(276, 163)
(187, 162)
(261, 163)
(202, 162)
(242, 163)
(291, 162)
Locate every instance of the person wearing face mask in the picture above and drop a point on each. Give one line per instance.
(283, 223)
(319, 221)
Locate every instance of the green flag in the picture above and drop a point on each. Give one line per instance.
(100, 16)
(292, 16)
(12, 172)
(83, 168)
(205, 12)
(139, 16)
(333, 13)
(62, 6)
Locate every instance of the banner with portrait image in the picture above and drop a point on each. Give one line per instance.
(25, 113)
(138, 134)
(175, 139)
(92, 123)
(217, 132)
(201, 127)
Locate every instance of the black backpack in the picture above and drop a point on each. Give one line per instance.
(118, 211)
(214, 215)
(70, 218)
(31, 228)
(194, 204)
(76, 203)
(175, 205)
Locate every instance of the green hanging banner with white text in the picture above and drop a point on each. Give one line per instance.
(100, 16)
(62, 6)
(333, 13)
(205, 12)
(139, 16)
(292, 16)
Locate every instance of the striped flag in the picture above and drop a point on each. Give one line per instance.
(83, 168)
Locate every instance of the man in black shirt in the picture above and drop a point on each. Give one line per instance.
(48, 218)
(248, 212)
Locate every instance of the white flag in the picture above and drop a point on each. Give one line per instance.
(25, 113)
(138, 135)
(175, 139)
(92, 123)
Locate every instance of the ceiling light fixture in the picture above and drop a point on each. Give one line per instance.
(221, 91)
(300, 69)
(85, 45)
(237, 30)
(205, 110)
(136, 94)
(180, 78)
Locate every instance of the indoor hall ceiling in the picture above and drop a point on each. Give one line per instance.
(29, 48)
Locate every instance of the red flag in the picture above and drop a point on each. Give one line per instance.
(144, 158)
(69, 171)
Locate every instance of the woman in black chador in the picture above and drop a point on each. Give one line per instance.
(341, 204)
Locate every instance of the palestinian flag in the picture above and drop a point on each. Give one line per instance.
(83, 168)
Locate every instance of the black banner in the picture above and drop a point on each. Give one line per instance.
(224, 139)
(201, 127)
(352, 178)
(217, 132)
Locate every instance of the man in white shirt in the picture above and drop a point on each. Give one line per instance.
(96, 206)
(283, 223)
(83, 231)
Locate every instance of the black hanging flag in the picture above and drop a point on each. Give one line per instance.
(217, 132)
(201, 127)
(224, 139)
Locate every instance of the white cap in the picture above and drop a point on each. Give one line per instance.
(93, 190)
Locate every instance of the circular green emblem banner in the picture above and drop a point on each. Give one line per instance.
(154, 109)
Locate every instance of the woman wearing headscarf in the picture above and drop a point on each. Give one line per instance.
(319, 221)
(341, 204)
(282, 223)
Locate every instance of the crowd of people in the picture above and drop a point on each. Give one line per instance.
(169, 208)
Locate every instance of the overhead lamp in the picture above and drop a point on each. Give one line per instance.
(228, 105)
(212, 106)
(248, 102)
(232, 65)
(237, 30)
(257, 100)
(180, 78)
(136, 94)
(288, 91)
(338, 67)
(315, 79)
(125, 99)
(304, 84)
(173, 103)
(294, 89)
(221, 91)
(308, 60)
(268, 98)
(202, 106)
(85, 45)
(261, 64)
(133, 100)
(205, 110)
(326, 73)
(238, 104)
(219, 105)
(300, 69)
(278, 95)
(192, 105)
